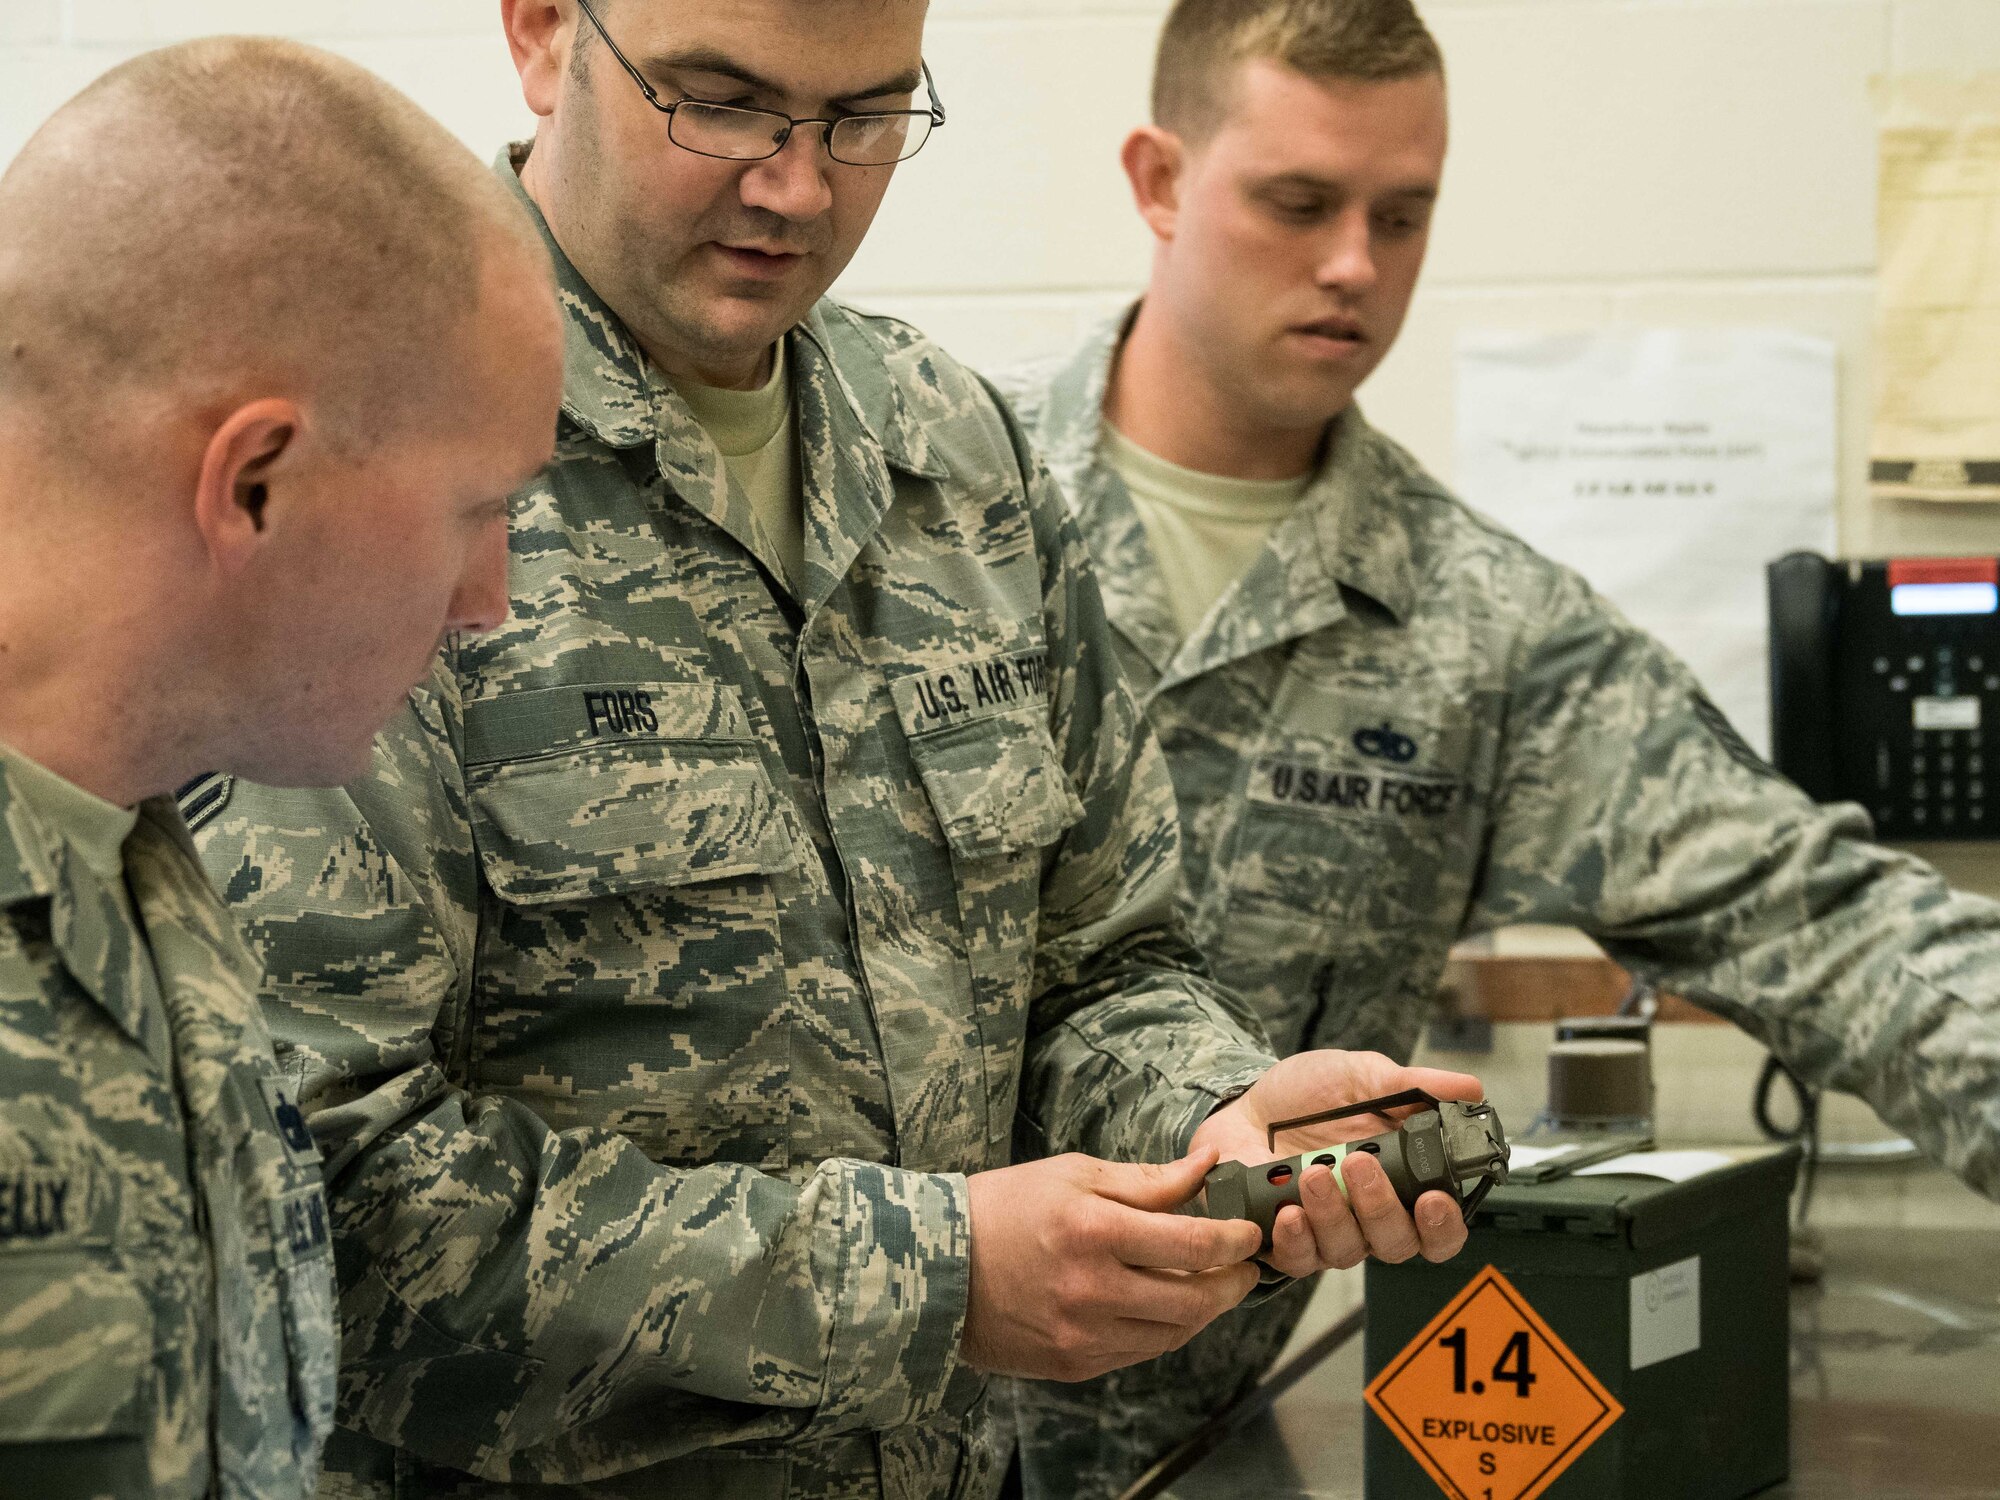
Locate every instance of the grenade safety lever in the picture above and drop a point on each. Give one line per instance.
(1438, 1149)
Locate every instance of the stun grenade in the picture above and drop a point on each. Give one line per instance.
(1443, 1146)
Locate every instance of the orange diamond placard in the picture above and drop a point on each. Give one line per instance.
(1489, 1400)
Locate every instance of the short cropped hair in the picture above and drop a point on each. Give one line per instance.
(240, 211)
(1358, 41)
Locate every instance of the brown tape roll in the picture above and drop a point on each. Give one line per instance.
(1597, 1081)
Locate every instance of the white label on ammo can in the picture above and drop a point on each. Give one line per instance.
(1666, 1313)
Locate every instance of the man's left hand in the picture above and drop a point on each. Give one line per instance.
(1328, 1229)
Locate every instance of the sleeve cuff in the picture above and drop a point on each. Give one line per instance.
(899, 1244)
(1127, 1097)
(1210, 1095)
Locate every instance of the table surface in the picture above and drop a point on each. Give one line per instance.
(1895, 1387)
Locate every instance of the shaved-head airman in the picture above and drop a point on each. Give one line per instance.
(242, 504)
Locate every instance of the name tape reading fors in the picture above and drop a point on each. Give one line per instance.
(1488, 1399)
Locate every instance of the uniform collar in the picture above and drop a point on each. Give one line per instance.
(1073, 415)
(31, 854)
(854, 421)
(86, 923)
(1350, 531)
(1069, 431)
(608, 389)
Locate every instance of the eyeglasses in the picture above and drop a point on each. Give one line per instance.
(876, 139)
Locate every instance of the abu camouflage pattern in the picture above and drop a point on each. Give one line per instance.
(1402, 727)
(691, 941)
(166, 1277)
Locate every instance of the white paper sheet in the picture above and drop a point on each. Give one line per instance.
(1668, 1166)
(1533, 1156)
(1668, 467)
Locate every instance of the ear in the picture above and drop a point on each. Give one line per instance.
(233, 493)
(540, 34)
(1153, 160)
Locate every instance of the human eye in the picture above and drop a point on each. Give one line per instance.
(1401, 222)
(716, 91)
(1296, 208)
(704, 101)
(874, 128)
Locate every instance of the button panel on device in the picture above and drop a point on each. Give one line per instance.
(1930, 690)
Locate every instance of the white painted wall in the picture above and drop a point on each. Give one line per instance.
(1615, 161)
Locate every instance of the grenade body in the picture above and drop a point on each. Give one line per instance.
(1434, 1150)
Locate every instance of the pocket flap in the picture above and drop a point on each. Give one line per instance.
(997, 784)
(606, 789)
(76, 1346)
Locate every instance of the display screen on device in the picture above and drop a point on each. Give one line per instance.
(1945, 598)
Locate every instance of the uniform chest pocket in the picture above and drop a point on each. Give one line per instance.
(997, 785)
(1358, 827)
(631, 968)
(580, 792)
(76, 1402)
(1002, 799)
(273, 1247)
(1360, 807)
(302, 1256)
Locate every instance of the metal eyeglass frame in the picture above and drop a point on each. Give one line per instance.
(935, 114)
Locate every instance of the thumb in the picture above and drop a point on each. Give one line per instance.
(1155, 1187)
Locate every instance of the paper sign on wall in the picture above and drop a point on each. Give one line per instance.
(1668, 467)
(1937, 300)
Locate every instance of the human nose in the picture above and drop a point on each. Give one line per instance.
(1348, 262)
(793, 183)
(480, 604)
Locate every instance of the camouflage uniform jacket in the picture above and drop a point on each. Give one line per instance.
(166, 1288)
(1404, 726)
(691, 941)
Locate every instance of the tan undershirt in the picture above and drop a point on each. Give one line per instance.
(758, 435)
(94, 828)
(1206, 529)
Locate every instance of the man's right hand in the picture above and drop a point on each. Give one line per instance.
(1081, 1266)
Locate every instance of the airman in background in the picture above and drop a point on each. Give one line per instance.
(1389, 723)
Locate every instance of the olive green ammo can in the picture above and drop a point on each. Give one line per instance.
(1705, 1389)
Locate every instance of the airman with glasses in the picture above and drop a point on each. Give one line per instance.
(732, 132)
(673, 995)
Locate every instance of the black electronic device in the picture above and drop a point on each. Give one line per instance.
(1440, 1147)
(1885, 688)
